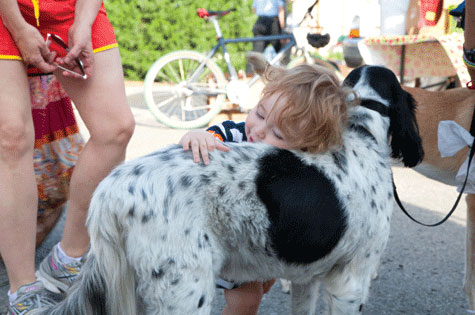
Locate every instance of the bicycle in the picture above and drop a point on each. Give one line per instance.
(186, 89)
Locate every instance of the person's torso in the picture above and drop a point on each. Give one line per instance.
(267, 7)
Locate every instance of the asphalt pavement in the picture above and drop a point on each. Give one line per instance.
(421, 270)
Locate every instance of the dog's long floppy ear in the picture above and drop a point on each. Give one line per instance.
(406, 142)
(262, 67)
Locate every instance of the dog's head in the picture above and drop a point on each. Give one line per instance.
(380, 85)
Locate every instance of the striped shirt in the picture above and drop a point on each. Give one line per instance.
(229, 131)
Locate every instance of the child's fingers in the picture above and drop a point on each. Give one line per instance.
(210, 143)
(185, 142)
(195, 149)
(221, 147)
(204, 152)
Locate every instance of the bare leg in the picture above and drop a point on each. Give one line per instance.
(244, 299)
(102, 104)
(19, 201)
(470, 252)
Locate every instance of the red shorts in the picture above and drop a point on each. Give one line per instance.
(56, 17)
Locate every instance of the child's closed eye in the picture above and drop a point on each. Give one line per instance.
(277, 135)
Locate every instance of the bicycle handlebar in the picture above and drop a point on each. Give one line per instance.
(203, 13)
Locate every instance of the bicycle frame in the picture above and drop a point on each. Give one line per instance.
(186, 89)
(222, 42)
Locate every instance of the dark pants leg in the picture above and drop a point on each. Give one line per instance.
(265, 26)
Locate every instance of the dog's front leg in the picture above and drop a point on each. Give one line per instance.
(470, 252)
(304, 298)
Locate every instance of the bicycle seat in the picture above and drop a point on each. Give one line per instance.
(203, 13)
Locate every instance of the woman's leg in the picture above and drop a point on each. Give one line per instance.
(102, 104)
(18, 191)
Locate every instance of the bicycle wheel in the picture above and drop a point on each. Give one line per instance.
(319, 61)
(184, 90)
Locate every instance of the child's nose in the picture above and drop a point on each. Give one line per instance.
(260, 132)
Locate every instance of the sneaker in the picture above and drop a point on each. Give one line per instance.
(32, 299)
(56, 276)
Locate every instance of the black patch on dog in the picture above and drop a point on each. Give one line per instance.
(186, 181)
(364, 132)
(306, 218)
(340, 160)
(201, 301)
(138, 170)
(242, 153)
(376, 106)
(131, 189)
(222, 191)
(204, 179)
(132, 211)
(147, 216)
(157, 274)
(170, 185)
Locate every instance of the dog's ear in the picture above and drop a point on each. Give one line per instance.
(406, 143)
(353, 77)
(262, 67)
(258, 62)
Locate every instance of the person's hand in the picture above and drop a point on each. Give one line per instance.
(201, 143)
(80, 46)
(33, 49)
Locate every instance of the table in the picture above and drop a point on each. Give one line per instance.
(417, 56)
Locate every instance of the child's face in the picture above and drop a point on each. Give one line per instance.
(260, 123)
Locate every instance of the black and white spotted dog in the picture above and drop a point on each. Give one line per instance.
(163, 228)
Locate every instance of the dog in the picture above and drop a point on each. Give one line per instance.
(432, 107)
(163, 227)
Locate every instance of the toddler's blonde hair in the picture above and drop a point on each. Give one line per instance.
(315, 110)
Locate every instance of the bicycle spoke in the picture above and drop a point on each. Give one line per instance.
(182, 72)
(167, 101)
(185, 90)
(183, 109)
(177, 77)
(170, 111)
(203, 107)
(164, 76)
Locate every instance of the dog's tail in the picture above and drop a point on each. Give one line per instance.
(106, 284)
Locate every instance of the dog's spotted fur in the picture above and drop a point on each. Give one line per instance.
(164, 227)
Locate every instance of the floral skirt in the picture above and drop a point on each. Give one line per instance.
(57, 148)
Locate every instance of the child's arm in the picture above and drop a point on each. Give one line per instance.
(201, 143)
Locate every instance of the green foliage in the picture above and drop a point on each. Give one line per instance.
(149, 29)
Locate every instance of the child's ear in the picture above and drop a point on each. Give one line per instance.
(262, 67)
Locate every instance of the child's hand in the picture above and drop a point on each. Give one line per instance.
(201, 143)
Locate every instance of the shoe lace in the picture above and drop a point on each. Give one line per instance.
(37, 299)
